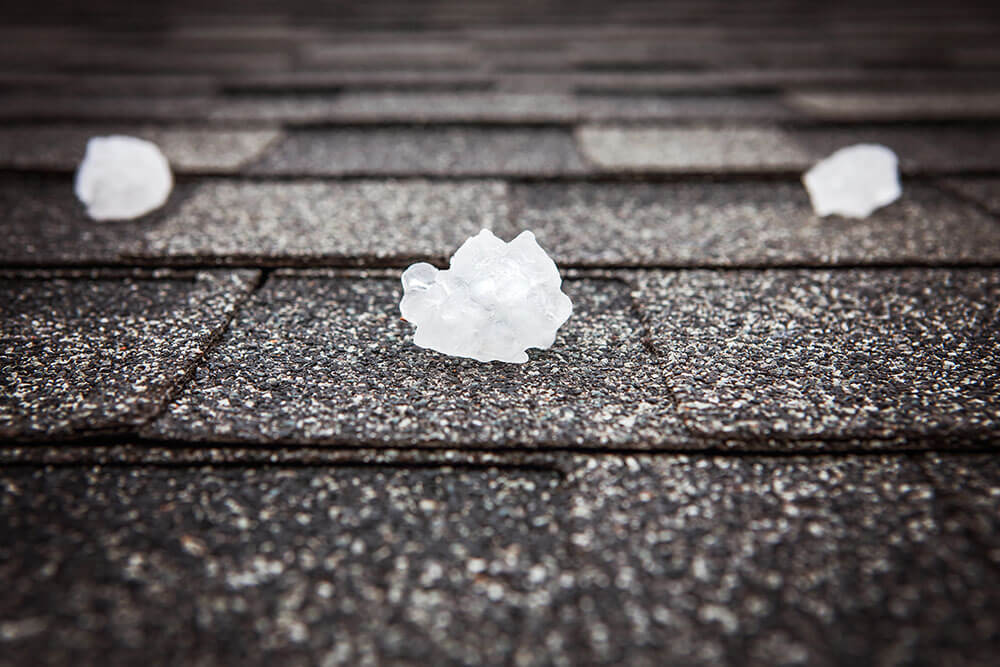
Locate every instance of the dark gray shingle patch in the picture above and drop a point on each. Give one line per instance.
(985, 191)
(199, 150)
(103, 352)
(930, 149)
(829, 354)
(894, 105)
(361, 222)
(42, 222)
(782, 561)
(361, 566)
(431, 151)
(109, 84)
(764, 78)
(624, 560)
(313, 360)
(327, 81)
(105, 107)
(730, 224)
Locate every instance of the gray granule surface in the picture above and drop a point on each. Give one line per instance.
(371, 221)
(985, 191)
(829, 354)
(197, 150)
(895, 106)
(649, 560)
(44, 224)
(339, 367)
(488, 107)
(104, 108)
(455, 151)
(84, 356)
(690, 149)
(728, 224)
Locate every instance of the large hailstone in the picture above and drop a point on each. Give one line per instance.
(496, 300)
(854, 181)
(122, 178)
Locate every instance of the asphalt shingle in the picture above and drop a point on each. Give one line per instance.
(764, 149)
(830, 354)
(43, 223)
(101, 352)
(727, 224)
(896, 106)
(454, 151)
(985, 191)
(328, 360)
(783, 561)
(638, 560)
(358, 223)
(199, 150)
(691, 149)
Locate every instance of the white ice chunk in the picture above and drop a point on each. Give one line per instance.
(854, 181)
(122, 178)
(496, 300)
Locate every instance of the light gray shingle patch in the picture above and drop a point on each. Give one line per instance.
(290, 109)
(457, 107)
(894, 105)
(691, 149)
(199, 150)
(763, 149)
(102, 353)
(624, 560)
(361, 222)
(43, 223)
(985, 191)
(779, 561)
(733, 224)
(432, 151)
(390, 51)
(490, 107)
(829, 354)
(326, 360)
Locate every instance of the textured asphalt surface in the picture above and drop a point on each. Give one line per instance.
(763, 437)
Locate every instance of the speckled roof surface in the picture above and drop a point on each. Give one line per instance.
(762, 438)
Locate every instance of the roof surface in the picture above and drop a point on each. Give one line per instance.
(762, 438)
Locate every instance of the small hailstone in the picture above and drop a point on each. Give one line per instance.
(854, 181)
(496, 300)
(122, 178)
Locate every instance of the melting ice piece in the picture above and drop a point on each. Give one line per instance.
(496, 300)
(854, 181)
(122, 178)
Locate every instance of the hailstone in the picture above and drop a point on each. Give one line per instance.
(122, 178)
(854, 181)
(496, 300)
